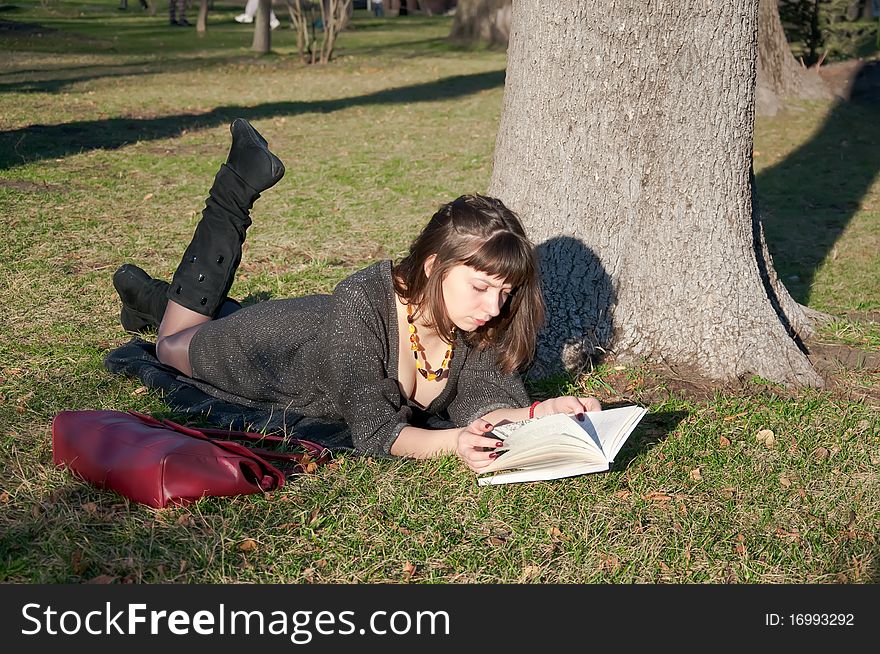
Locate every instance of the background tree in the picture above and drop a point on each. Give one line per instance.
(202, 21)
(262, 33)
(625, 143)
(485, 21)
(780, 76)
(333, 17)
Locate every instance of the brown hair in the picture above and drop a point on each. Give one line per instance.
(482, 233)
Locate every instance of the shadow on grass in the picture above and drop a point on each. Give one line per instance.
(56, 80)
(809, 198)
(37, 142)
(654, 428)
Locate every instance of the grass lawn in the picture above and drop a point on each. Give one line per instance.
(112, 125)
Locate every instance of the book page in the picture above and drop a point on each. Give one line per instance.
(561, 445)
(551, 438)
(613, 426)
(543, 473)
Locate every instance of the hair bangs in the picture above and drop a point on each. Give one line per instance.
(505, 255)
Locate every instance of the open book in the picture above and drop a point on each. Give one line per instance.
(560, 445)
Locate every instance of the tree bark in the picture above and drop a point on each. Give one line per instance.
(482, 21)
(625, 144)
(262, 34)
(779, 75)
(202, 22)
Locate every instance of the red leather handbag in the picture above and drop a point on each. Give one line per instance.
(158, 462)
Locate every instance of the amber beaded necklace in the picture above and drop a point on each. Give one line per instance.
(425, 368)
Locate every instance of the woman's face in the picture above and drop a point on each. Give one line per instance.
(473, 297)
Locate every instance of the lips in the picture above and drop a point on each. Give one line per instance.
(479, 322)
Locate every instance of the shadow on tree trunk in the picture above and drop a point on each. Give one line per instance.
(809, 198)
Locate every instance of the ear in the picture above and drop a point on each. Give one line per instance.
(429, 265)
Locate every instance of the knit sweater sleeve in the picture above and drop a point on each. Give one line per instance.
(358, 356)
(482, 388)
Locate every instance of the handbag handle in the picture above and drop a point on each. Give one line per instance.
(318, 453)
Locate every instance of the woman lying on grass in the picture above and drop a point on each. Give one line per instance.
(443, 333)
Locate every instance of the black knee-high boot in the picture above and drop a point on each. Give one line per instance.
(208, 267)
(144, 299)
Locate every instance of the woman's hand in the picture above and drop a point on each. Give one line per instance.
(472, 442)
(567, 404)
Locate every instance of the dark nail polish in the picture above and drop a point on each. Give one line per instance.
(494, 455)
(499, 444)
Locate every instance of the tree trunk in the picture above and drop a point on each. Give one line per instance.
(262, 34)
(482, 21)
(779, 75)
(202, 22)
(625, 144)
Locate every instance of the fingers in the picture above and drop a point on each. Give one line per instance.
(575, 405)
(475, 447)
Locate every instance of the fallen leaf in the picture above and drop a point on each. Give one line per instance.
(623, 494)
(408, 569)
(148, 196)
(695, 474)
(4, 497)
(794, 534)
(76, 562)
(90, 508)
(556, 532)
(724, 441)
(494, 541)
(321, 563)
(834, 450)
(311, 467)
(740, 549)
(314, 514)
(183, 566)
(247, 545)
(611, 562)
(821, 453)
(529, 573)
(657, 496)
(101, 579)
(785, 481)
(767, 437)
(184, 520)
(140, 390)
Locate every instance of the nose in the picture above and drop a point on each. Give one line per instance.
(493, 303)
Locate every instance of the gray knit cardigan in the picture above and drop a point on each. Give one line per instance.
(335, 357)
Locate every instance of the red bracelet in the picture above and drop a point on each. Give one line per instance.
(532, 409)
